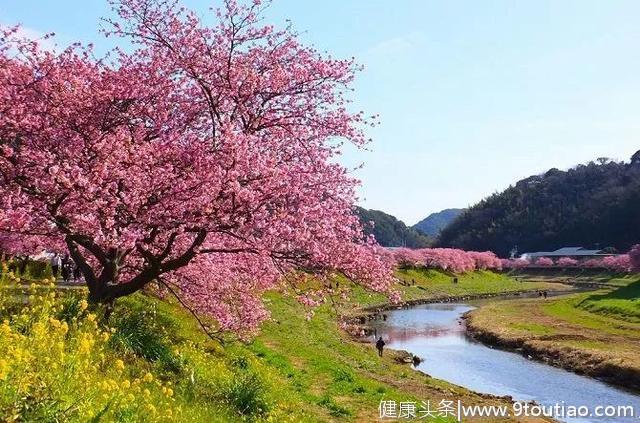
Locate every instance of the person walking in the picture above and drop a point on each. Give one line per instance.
(66, 268)
(380, 346)
(56, 262)
(76, 272)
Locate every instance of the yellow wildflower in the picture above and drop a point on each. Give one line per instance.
(83, 305)
(4, 369)
(148, 377)
(119, 364)
(85, 345)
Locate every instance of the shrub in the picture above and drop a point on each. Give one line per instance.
(244, 392)
(138, 333)
(334, 408)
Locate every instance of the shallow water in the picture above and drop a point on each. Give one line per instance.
(435, 333)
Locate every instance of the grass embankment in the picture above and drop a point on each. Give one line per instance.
(426, 285)
(574, 276)
(151, 362)
(595, 333)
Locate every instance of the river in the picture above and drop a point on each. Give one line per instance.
(435, 333)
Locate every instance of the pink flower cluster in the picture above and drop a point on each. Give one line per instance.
(621, 263)
(448, 259)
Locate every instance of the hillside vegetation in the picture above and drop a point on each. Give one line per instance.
(433, 224)
(389, 231)
(589, 205)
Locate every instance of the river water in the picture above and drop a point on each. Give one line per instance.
(435, 333)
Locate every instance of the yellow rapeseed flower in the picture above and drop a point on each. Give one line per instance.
(4, 369)
(119, 364)
(85, 345)
(148, 377)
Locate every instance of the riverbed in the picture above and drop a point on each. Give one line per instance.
(436, 334)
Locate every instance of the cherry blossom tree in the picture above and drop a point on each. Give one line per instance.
(517, 263)
(567, 262)
(619, 263)
(544, 262)
(447, 259)
(486, 260)
(407, 257)
(202, 160)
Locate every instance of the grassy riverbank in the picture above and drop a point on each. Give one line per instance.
(424, 284)
(596, 333)
(152, 362)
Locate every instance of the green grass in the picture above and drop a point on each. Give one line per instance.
(436, 284)
(623, 303)
(588, 330)
(533, 328)
(294, 370)
(337, 378)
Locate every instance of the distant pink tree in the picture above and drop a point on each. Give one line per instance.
(407, 257)
(485, 260)
(448, 259)
(567, 262)
(619, 263)
(544, 262)
(517, 263)
(592, 263)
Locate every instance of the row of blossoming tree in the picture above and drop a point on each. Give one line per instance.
(460, 261)
(629, 262)
(448, 259)
(200, 158)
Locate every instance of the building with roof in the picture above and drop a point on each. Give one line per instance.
(577, 253)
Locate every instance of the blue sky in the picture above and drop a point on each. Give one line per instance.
(473, 95)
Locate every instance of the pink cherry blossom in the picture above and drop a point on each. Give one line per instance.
(517, 263)
(544, 262)
(202, 160)
(567, 262)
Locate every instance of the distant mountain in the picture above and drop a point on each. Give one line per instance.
(591, 205)
(436, 222)
(391, 232)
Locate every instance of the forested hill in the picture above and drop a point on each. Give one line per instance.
(436, 222)
(391, 232)
(596, 204)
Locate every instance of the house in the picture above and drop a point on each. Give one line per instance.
(577, 253)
